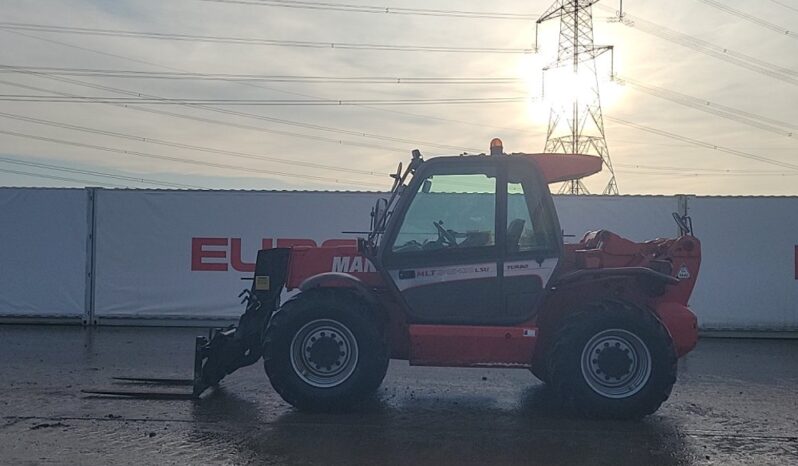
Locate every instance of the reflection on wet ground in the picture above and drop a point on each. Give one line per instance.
(736, 403)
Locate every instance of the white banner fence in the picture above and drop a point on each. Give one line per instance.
(138, 256)
(45, 253)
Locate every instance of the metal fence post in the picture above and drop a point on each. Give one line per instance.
(683, 205)
(88, 312)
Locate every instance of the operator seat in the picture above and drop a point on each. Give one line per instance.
(514, 231)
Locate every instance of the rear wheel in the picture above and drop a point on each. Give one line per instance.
(324, 351)
(612, 362)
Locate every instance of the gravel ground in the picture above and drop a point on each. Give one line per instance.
(736, 402)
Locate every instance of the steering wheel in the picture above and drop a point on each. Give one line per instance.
(446, 236)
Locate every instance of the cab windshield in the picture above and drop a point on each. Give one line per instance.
(450, 211)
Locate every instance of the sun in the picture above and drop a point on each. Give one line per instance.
(560, 87)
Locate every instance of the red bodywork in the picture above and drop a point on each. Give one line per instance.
(602, 266)
(680, 258)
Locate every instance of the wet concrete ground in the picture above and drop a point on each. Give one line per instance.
(736, 402)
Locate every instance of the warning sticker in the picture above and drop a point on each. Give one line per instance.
(262, 283)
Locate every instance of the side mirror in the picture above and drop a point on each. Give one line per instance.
(426, 186)
(378, 215)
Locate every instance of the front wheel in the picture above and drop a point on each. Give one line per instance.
(612, 362)
(324, 351)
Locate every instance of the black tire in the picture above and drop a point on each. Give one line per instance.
(599, 369)
(305, 376)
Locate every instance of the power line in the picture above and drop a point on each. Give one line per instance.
(221, 110)
(779, 69)
(244, 115)
(714, 50)
(789, 7)
(689, 174)
(133, 60)
(707, 48)
(178, 145)
(99, 174)
(730, 113)
(675, 170)
(238, 113)
(750, 18)
(707, 145)
(254, 41)
(454, 120)
(135, 74)
(708, 171)
(175, 159)
(328, 6)
(255, 102)
(675, 96)
(214, 121)
(258, 86)
(33, 70)
(60, 178)
(734, 114)
(694, 142)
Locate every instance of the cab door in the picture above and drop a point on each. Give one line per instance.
(443, 255)
(532, 243)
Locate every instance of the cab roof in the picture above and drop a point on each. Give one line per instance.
(564, 167)
(553, 168)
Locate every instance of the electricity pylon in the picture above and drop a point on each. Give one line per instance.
(577, 127)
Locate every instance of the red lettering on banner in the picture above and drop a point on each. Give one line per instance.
(228, 250)
(199, 253)
(235, 257)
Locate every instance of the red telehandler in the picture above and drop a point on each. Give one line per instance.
(465, 266)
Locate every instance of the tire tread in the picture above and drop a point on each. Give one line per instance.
(373, 349)
(560, 358)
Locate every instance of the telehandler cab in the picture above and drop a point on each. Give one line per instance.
(465, 266)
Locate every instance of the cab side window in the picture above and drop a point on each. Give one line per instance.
(528, 222)
(450, 212)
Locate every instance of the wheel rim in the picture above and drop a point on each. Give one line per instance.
(324, 353)
(616, 363)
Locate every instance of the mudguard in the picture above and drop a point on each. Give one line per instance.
(617, 272)
(339, 280)
(681, 323)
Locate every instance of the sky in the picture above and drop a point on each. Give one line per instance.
(662, 126)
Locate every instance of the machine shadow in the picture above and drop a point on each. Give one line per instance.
(461, 429)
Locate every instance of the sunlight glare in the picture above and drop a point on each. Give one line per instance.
(530, 72)
(559, 87)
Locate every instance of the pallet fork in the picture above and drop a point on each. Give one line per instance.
(225, 350)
